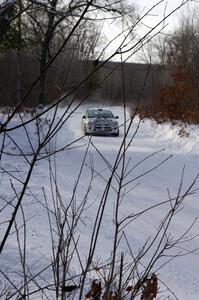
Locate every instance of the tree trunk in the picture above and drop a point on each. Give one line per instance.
(45, 49)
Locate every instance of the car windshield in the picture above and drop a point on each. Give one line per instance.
(100, 114)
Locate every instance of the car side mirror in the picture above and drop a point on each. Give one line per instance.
(116, 117)
(84, 117)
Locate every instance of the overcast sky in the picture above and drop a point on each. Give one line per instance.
(156, 15)
(165, 6)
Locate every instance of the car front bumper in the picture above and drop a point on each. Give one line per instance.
(102, 130)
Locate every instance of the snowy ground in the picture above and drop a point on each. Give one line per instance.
(182, 274)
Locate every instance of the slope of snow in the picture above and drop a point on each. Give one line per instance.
(152, 144)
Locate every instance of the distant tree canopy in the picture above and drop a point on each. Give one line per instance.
(43, 42)
(177, 99)
(182, 48)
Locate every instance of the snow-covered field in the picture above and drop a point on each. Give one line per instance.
(181, 275)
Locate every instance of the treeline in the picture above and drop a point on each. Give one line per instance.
(178, 98)
(41, 45)
(18, 73)
(41, 58)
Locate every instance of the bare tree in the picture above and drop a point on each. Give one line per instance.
(121, 276)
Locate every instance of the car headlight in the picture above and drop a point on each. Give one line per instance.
(90, 123)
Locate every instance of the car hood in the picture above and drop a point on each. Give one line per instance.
(102, 120)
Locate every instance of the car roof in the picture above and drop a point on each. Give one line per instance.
(100, 109)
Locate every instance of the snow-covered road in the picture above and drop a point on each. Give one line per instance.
(152, 144)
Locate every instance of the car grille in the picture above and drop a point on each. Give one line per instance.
(102, 128)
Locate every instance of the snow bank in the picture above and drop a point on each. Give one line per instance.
(181, 275)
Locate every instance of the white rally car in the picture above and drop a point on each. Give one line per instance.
(100, 121)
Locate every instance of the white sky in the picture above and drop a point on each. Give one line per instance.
(164, 8)
(155, 16)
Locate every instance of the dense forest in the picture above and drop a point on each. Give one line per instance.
(41, 59)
